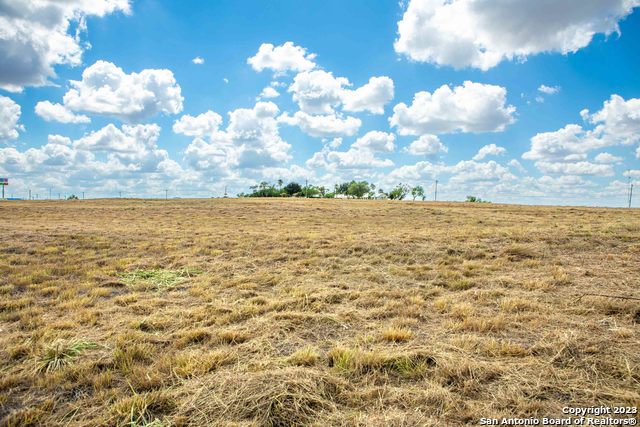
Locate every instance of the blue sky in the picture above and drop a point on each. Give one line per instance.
(512, 77)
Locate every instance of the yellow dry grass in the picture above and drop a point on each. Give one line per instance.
(313, 312)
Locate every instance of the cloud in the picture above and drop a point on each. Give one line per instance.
(472, 107)
(566, 150)
(548, 90)
(472, 171)
(134, 147)
(618, 120)
(489, 150)
(463, 172)
(427, 145)
(575, 168)
(517, 165)
(570, 143)
(202, 125)
(360, 155)
(35, 37)
(9, 116)
(108, 153)
(283, 58)
(58, 113)
(250, 141)
(198, 60)
(330, 125)
(481, 33)
(317, 92)
(107, 90)
(376, 141)
(268, 92)
(607, 158)
(371, 97)
(355, 158)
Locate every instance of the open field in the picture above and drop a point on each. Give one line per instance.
(313, 312)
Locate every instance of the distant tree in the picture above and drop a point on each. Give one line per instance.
(417, 191)
(311, 191)
(474, 199)
(292, 188)
(358, 189)
(280, 182)
(330, 195)
(342, 188)
(264, 189)
(72, 197)
(399, 192)
(382, 194)
(322, 191)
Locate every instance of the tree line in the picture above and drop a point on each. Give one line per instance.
(351, 189)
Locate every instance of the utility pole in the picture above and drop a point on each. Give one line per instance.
(225, 192)
(630, 195)
(83, 195)
(49, 193)
(306, 188)
(435, 194)
(58, 196)
(29, 194)
(166, 194)
(629, 187)
(120, 193)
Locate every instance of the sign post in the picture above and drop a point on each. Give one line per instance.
(3, 182)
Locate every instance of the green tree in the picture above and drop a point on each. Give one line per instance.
(417, 191)
(358, 189)
(474, 199)
(342, 188)
(292, 188)
(399, 192)
(280, 182)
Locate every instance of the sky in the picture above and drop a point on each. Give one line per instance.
(512, 101)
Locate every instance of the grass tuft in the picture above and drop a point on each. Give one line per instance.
(159, 279)
(60, 354)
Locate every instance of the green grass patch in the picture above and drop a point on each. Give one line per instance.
(60, 354)
(159, 279)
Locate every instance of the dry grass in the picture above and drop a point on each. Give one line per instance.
(313, 312)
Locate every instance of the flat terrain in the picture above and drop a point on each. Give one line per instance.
(313, 312)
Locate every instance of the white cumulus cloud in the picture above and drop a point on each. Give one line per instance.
(472, 107)
(607, 158)
(35, 37)
(269, 92)
(283, 58)
(372, 96)
(483, 33)
(427, 145)
(489, 150)
(107, 90)
(202, 125)
(9, 117)
(58, 113)
(376, 141)
(317, 92)
(329, 125)
(250, 141)
(548, 90)
(198, 60)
